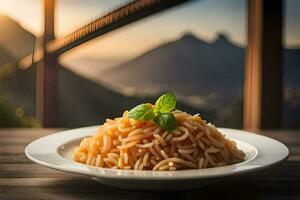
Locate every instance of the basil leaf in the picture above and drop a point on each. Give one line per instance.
(166, 103)
(141, 112)
(166, 121)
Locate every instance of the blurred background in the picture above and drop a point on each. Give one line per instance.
(196, 50)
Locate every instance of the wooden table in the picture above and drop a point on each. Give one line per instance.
(22, 179)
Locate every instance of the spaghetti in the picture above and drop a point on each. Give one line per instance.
(125, 143)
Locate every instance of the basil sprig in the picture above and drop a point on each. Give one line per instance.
(142, 112)
(166, 121)
(161, 114)
(166, 103)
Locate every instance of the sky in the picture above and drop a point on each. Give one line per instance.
(212, 15)
(134, 39)
(204, 18)
(69, 13)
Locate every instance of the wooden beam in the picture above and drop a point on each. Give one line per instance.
(263, 67)
(46, 85)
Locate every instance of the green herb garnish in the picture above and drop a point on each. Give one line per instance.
(166, 121)
(161, 114)
(142, 112)
(166, 103)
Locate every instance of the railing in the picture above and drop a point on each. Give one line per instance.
(122, 16)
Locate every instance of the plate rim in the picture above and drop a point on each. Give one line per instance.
(94, 171)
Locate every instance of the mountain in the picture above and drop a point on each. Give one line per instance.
(14, 38)
(202, 72)
(206, 76)
(81, 102)
(5, 56)
(188, 66)
(15, 44)
(291, 76)
(16, 86)
(291, 73)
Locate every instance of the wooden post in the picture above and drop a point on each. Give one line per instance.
(263, 67)
(47, 72)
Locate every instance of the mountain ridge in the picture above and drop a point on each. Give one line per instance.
(14, 38)
(177, 62)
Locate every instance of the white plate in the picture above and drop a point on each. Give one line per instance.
(55, 151)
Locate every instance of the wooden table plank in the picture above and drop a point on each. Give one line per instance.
(23, 136)
(22, 179)
(27, 132)
(30, 170)
(16, 159)
(83, 188)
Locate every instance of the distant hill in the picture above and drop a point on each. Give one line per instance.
(291, 73)
(16, 86)
(5, 56)
(291, 76)
(187, 66)
(14, 38)
(198, 65)
(82, 102)
(212, 71)
(203, 75)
